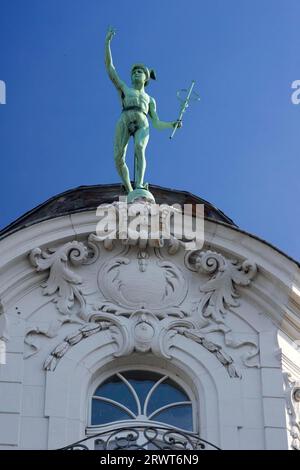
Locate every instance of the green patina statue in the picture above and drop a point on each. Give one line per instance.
(137, 105)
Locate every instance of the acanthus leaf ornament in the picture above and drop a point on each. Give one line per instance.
(62, 282)
(220, 291)
(220, 294)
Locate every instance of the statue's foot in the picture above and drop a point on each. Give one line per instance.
(142, 186)
(127, 189)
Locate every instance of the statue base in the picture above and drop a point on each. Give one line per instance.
(140, 194)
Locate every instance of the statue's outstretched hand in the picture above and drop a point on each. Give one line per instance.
(110, 33)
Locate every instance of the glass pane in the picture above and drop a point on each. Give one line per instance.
(103, 413)
(115, 389)
(179, 416)
(142, 382)
(166, 393)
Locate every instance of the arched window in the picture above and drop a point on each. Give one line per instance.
(142, 410)
(143, 396)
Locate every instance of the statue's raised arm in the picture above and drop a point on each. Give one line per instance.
(119, 84)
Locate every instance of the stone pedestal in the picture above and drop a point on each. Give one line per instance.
(140, 194)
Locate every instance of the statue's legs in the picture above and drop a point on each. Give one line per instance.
(141, 138)
(121, 142)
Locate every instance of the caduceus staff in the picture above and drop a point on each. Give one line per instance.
(191, 96)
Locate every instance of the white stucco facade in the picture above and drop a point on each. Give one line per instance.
(224, 322)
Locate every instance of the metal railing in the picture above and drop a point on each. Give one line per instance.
(146, 437)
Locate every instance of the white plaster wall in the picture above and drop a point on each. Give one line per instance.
(48, 409)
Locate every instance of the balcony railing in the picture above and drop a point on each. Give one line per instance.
(146, 437)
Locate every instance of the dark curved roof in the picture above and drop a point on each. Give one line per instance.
(87, 198)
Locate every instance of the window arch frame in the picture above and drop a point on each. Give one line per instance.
(176, 377)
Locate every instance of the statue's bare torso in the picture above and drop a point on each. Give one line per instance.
(132, 97)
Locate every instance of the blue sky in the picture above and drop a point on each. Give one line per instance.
(239, 147)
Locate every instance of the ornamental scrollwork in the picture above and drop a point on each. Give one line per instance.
(292, 395)
(62, 281)
(142, 332)
(142, 297)
(220, 291)
(220, 294)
